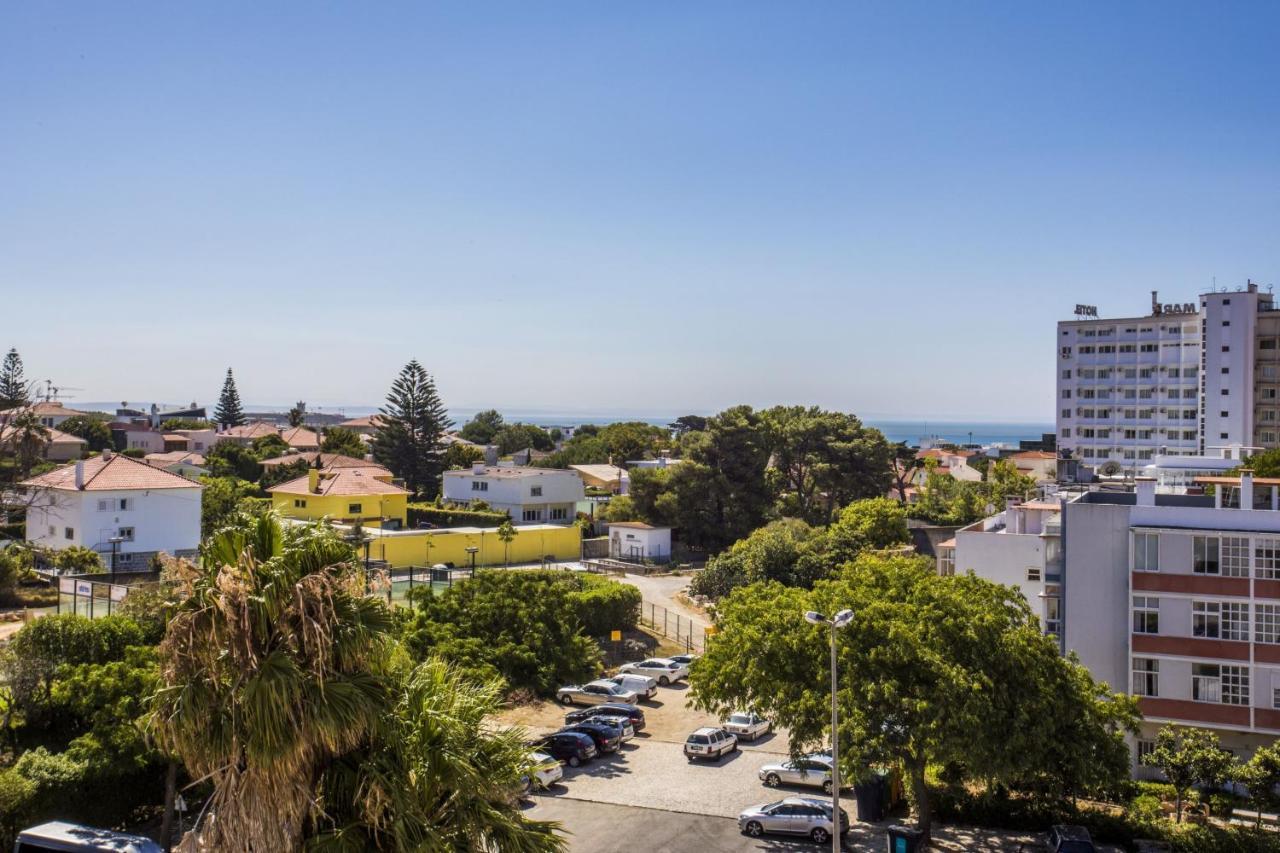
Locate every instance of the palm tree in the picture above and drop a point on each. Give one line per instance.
(507, 533)
(274, 666)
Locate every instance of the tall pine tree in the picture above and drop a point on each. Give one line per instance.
(13, 386)
(228, 412)
(412, 424)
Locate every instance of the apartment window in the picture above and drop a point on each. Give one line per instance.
(946, 562)
(535, 491)
(1145, 748)
(1226, 392)
(1066, 393)
(125, 533)
(1146, 552)
(1266, 623)
(1235, 556)
(1268, 393)
(532, 515)
(1149, 348)
(1226, 349)
(1053, 609)
(1235, 685)
(1206, 619)
(1146, 677)
(1066, 432)
(1066, 352)
(355, 509)
(299, 503)
(1266, 558)
(1146, 614)
(1085, 350)
(126, 504)
(1066, 413)
(1066, 374)
(1146, 372)
(53, 531)
(1235, 620)
(1204, 555)
(1033, 574)
(479, 485)
(1222, 435)
(70, 533)
(558, 513)
(1206, 682)
(1275, 697)
(1269, 343)
(1224, 415)
(1268, 437)
(1226, 370)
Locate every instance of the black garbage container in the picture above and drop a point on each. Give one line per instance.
(903, 839)
(872, 797)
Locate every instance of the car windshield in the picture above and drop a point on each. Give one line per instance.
(739, 718)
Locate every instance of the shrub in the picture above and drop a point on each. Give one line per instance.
(76, 560)
(604, 605)
(134, 452)
(440, 517)
(1145, 808)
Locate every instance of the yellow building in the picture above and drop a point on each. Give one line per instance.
(532, 544)
(345, 496)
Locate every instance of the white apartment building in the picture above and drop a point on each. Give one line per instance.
(90, 502)
(1173, 598)
(528, 495)
(1168, 384)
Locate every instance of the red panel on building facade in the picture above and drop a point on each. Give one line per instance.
(1194, 712)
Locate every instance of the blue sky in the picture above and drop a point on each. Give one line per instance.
(620, 207)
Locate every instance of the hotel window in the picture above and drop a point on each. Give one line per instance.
(1084, 350)
(1146, 552)
(1266, 623)
(353, 509)
(1146, 614)
(1146, 677)
(535, 491)
(1146, 372)
(1266, 558)
(1235, 620)
(558, 513)
(1235, 556)
(1204, 551)
(1206, 619)
(1107, 348)
(1149, 348)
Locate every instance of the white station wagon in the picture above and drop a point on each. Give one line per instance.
(663, 670)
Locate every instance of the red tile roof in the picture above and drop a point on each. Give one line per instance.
(119, 473)
(342, 481)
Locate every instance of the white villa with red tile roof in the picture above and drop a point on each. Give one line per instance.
(90, 502)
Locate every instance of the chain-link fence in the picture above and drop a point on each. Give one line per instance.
(674, 626)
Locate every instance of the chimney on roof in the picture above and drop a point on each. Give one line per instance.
(106, 454)
(79, 473)
(1144, 489)
(477, 467)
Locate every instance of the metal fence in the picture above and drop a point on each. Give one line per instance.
(89, 598)
(674, 626)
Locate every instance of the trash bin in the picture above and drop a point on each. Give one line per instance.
(872, 797)
(903, 839)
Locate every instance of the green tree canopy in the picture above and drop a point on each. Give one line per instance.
(92, 429)
(229, 459)
(1189, 757)
(223, 499)
(518, 436)
(411, 424)
(228, 412)
(13, 385)
(870, 524)
(946, 500)
(174, 424)
(483, 427)
(342, 440)
(266, 446)
(273, 475)
(458, 456)
(788, 551)
(933, 670)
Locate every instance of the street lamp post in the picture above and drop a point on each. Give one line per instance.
(841, 620)
(115, 547)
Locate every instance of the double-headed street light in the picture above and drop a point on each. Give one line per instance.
(841, 620)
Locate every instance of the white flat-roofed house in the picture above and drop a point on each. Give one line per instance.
(635, 540)
(90, 502)
(528, 495)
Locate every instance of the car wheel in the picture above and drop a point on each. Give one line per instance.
(663, 680)
(574, 761)
(566, 699)
(734, 748)
(820, 835)
(772, 780)
(826, 787)
(754, 829)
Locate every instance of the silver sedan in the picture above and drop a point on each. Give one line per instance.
(792, 816)
(811, 770)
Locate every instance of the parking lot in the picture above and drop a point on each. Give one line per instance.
(648, 795)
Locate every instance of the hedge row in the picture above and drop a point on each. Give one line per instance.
(605, 605)
(420, 513)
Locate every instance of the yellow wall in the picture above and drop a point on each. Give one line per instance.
(428, 547)
(337, 507)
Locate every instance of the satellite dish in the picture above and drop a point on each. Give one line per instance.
(1110, 469)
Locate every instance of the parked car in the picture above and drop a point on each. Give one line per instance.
(792, 816)
(607, 737)
(664, 670)
(709, 742)
(573, 748)
(746, 725)
(642, 685)
(545, 772)
(62, 836)
(595, 693)
(684, 660)
(812, 770)
(1070, 839)
(623, 723)
(631, 712)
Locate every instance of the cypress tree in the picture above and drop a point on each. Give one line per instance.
(13, 387)
(411, 425)
(228, 412)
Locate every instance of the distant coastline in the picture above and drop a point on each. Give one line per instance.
(910, 430)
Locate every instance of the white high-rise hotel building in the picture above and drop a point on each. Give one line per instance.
(1178, 381)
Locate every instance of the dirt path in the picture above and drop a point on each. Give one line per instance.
(661, 590)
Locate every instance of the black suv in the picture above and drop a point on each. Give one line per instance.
(608, 709)
(608, 738)
(1070, 839)
(573, 748)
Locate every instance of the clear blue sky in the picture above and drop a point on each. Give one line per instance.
(658, 206)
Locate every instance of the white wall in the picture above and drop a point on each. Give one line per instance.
(515, 494)
(1095, 580)
(651, 544)
(1004, 558)
(162, 520)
